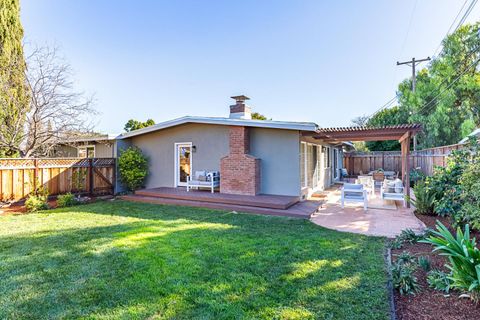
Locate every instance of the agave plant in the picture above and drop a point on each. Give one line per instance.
(463, 255)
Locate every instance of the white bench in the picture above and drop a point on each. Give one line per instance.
(393, 190)
(354, 193)
(204, 179)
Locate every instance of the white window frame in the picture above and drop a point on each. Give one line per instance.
(336, 171)
(176, 158)
(305, 169)
(315, 184)
(86, 151)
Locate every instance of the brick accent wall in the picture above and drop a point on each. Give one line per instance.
(239, 171)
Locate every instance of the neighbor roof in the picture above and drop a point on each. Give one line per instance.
(100, 137)
(287, 125)
(475, 132)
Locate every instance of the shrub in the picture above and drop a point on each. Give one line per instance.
(407, 235)
(405, 258)
(439, 280)
(445, 182)
(463, 256)
(404, 279)
(424, 263)
(424, 201)
(133, 167)
(416, 175)
(36, 202)
(470, 210)
(66, 200)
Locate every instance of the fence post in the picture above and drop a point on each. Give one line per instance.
(90, 176)
(35, 174)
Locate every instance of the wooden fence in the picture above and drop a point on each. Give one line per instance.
(20, 177)
(426, 159)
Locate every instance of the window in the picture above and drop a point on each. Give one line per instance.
(327, 157)
(86, 152)
(303, 180)
(335, 163)
(309, 165)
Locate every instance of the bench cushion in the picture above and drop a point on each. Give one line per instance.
(199, 183)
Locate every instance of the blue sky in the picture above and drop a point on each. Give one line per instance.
(320, 61)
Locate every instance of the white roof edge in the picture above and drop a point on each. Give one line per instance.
(473, 133)
(300, 126)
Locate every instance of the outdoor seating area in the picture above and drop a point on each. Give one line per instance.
(385, 216)
(364, 188)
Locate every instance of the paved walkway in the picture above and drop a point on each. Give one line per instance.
(388, 220)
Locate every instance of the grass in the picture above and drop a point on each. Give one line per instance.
(123, 260)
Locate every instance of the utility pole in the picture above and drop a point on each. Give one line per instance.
(413, 63)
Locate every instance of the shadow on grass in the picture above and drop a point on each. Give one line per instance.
(177, 262)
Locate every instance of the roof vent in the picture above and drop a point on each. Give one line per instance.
(240, 110)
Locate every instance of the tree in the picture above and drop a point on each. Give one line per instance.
(135, 124)
(360, 121)
(259, 116)
(54, 111)
(386, 117)
(447, 97)
(13, 90)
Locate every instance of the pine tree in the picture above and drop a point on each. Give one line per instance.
(13, 90)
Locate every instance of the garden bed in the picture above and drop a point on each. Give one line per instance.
(429, 303)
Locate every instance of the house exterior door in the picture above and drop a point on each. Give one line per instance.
(183, 163)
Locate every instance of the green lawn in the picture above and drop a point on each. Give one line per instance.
(118, 259)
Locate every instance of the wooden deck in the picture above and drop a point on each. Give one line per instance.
(262, 200)
(260, 204)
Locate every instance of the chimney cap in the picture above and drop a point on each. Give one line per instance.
(240, 98)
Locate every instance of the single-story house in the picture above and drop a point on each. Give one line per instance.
(252, 156)
(89, 146)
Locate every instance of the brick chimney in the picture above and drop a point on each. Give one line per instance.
(240, 110)
(239, 171)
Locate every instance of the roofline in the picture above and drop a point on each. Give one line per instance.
(91, 138)
(285, 125)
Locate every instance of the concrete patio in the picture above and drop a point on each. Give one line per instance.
(386, 219)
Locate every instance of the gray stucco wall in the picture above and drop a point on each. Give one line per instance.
(103, 150)
(279, 151)
(211, 143)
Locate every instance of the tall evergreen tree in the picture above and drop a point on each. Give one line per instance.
(13, 89)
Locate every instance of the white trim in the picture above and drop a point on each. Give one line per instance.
(176, 181)
(86, 151)
(335, 168)
(300, 126)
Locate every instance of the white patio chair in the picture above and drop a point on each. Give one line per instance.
(354, 193)
(393, 190)
(368, 184)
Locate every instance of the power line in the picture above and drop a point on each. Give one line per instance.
(413, 61)
(459, 24)
(426, 105)
(467, 13)
(385, 105)
(409, 27)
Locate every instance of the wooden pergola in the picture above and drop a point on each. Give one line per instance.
(403, 133)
